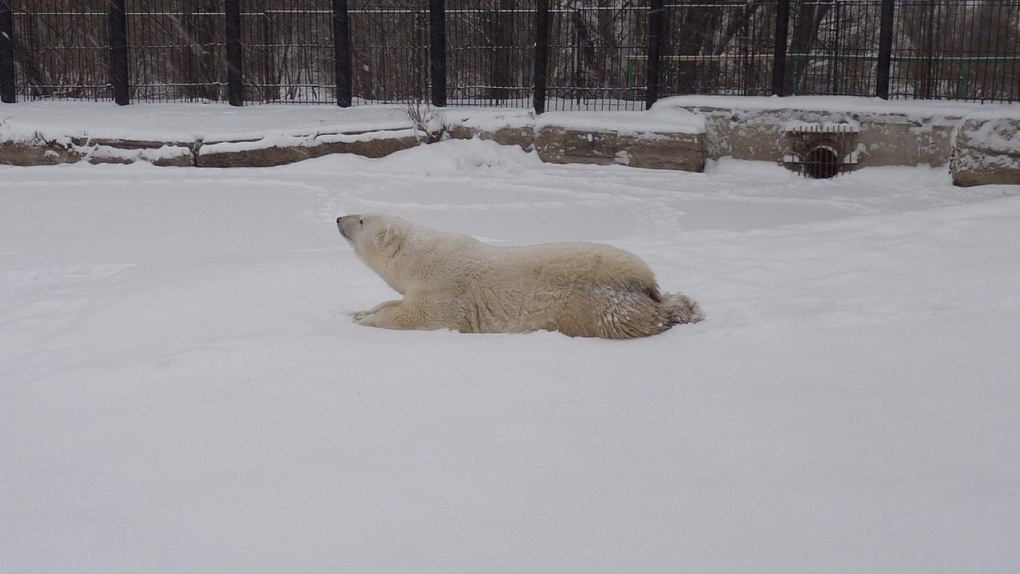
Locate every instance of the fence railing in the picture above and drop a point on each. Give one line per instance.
(549, 54)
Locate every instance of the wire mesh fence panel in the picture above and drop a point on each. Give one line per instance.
(60, 48)
(288, 55)
(719, 47)
(597, 55)
(833, 47)
(390, 50)
(962, 49)
(490, 52)
(177, 50)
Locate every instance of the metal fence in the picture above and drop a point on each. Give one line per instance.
(551, 54)
(934, 49)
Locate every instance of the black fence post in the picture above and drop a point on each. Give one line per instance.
(119, 52)
(885, 40)
(656, 15)
(235, 53)
(437, 51)
(541, 54)
(8, 93)
(342, 54)
(779, 54)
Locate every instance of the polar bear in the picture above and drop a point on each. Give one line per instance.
(453, 281)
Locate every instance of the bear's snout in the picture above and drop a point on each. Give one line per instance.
(351, 223)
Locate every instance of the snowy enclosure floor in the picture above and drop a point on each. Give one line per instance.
(182, 388)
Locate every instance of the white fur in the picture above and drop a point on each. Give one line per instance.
(453, 281)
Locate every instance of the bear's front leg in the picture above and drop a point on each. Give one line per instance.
(360, 316)
(390, 317)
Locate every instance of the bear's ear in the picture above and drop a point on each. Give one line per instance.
(384, 237)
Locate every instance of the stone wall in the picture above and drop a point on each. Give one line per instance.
(977, 149)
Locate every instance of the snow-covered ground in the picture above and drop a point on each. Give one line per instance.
(182, 389)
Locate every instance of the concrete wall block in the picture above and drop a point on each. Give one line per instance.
(685, 152)
(986, 151)
(210, 156)
(371, 147)
(523, 137)
(880, 138)
(37, 152)
(556, 144)
(680, 151)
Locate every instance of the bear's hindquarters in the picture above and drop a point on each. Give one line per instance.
(682, 309)
(639, 312)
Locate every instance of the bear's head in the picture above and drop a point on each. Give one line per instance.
(370, 234)
(376, 240)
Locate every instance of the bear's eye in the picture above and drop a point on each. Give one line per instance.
(361, 221)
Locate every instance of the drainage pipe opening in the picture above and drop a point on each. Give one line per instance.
(822, 162)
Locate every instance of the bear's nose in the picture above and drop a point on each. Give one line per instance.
(338, 220)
